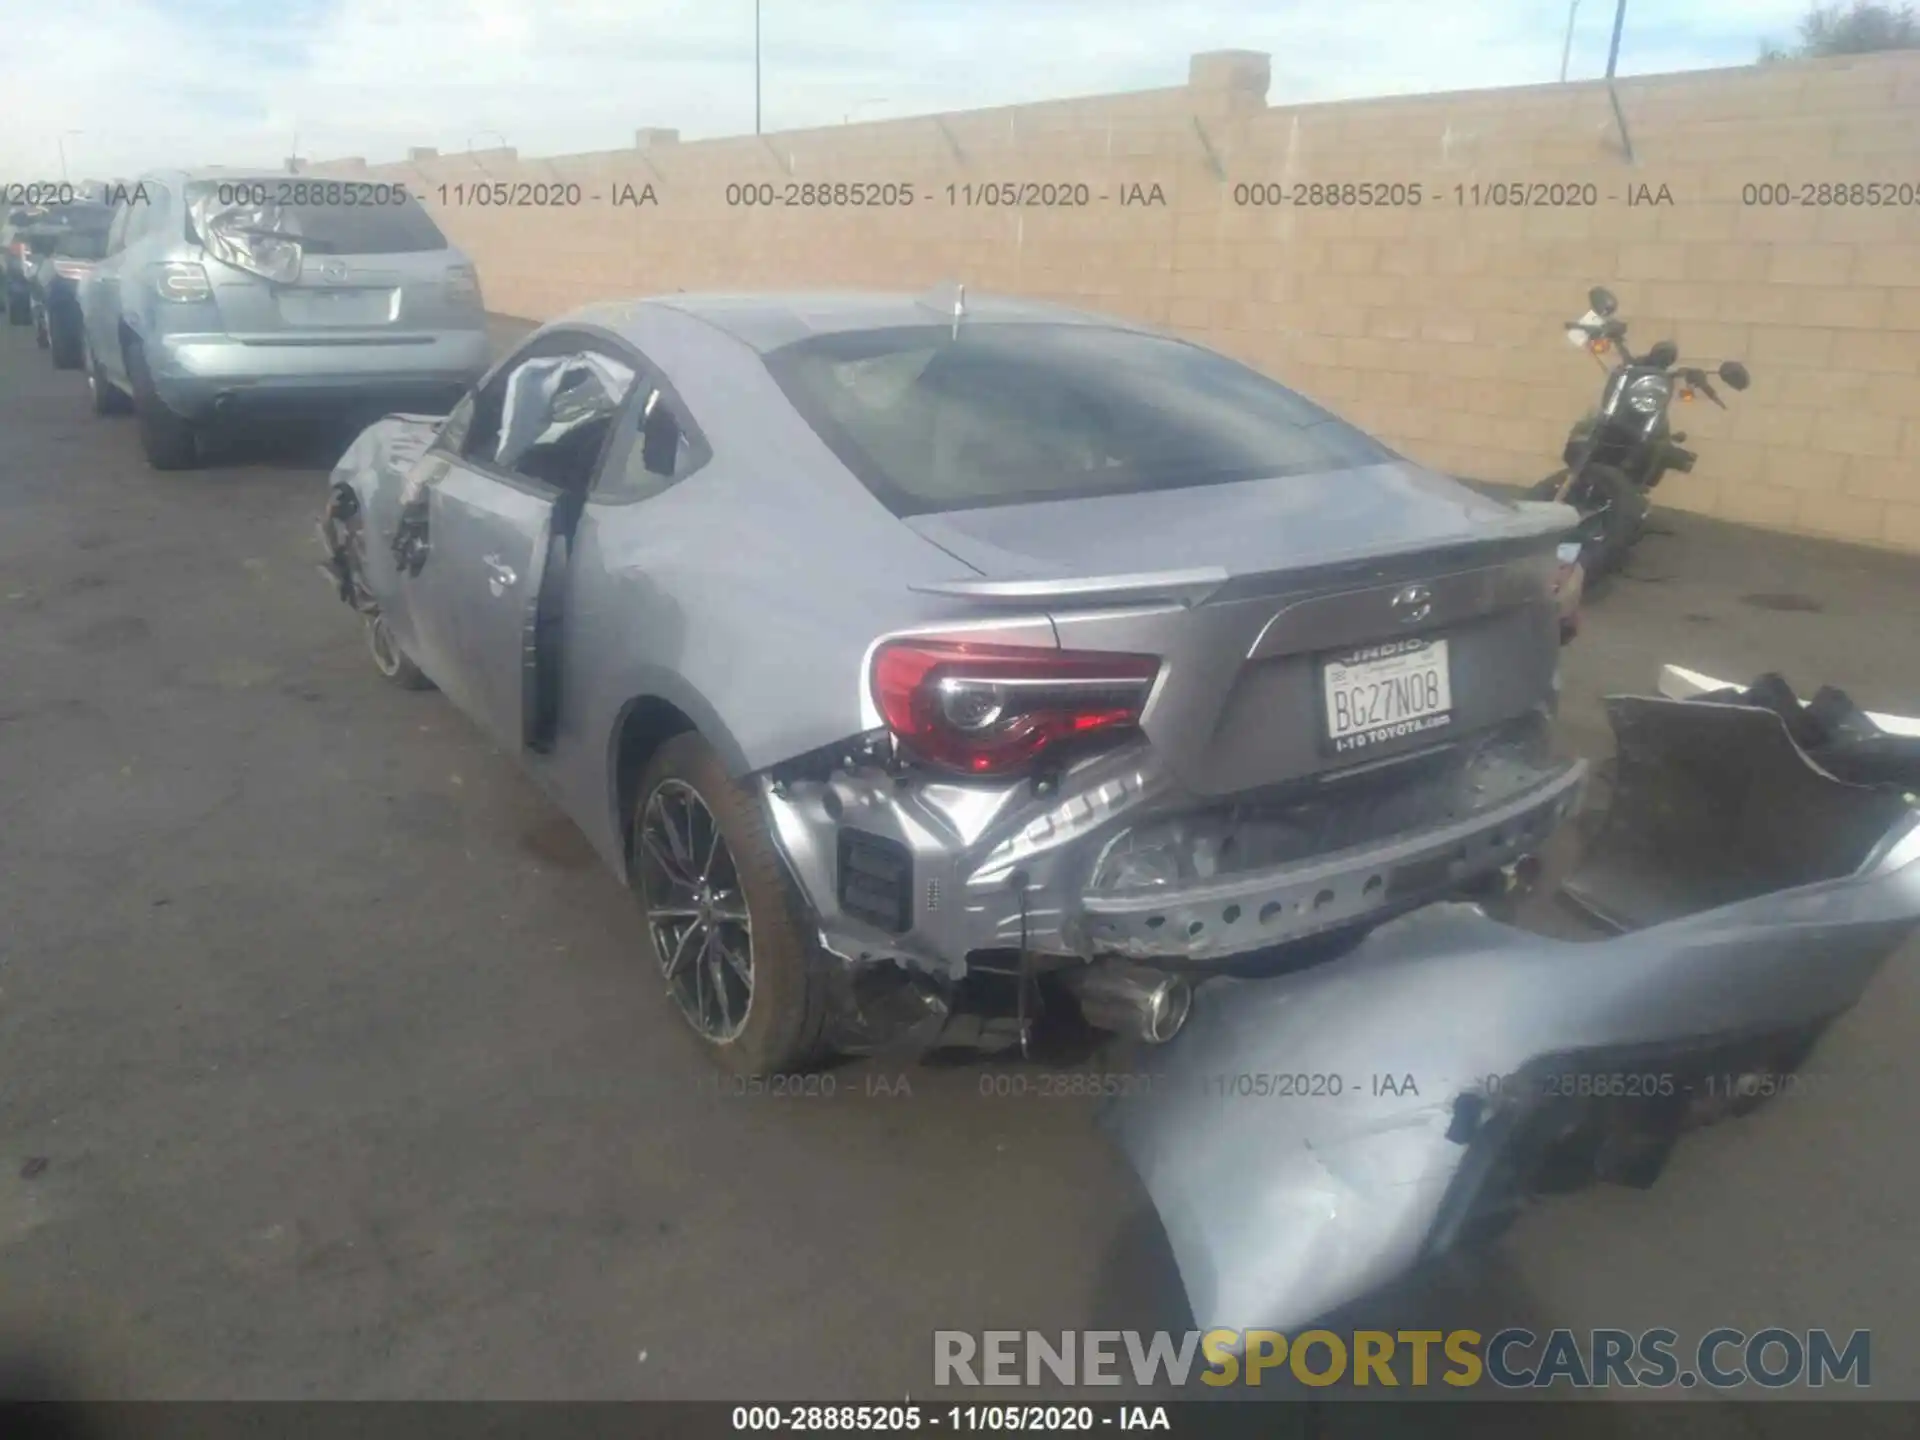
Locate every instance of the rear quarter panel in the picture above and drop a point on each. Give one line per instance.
(748, 595)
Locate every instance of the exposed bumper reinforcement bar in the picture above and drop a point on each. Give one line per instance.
(1202, 922)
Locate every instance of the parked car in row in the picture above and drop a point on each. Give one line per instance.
(61, 251)
(13, 262)
(895, 650)
(223, 294)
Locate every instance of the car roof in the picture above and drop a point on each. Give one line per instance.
(213, 172)
(72, 212)
(768, 321)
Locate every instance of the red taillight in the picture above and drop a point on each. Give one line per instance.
(992, 709)
(72, 269)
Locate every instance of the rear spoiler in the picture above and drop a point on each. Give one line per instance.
(1188, 587)
(1196, 585)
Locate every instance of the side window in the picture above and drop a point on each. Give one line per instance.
(149, 213)
(546, 417)
(557, 418)
(479, 437)
(662, 449)
(458, 424)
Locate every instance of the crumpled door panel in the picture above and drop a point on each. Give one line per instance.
(1296, 1169)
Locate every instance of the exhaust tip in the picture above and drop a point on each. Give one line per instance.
(1131, 999)
(1166, 1011)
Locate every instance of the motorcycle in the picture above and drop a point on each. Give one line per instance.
(1620, 451)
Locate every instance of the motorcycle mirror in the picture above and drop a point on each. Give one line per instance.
(1602, 301)
(1614, 329)
(1735, 374)
(1663, 354)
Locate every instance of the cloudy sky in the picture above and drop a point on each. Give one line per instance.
(127, 84)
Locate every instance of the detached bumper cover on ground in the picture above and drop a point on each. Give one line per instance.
(1292, 1181)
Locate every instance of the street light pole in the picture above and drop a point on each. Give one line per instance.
(1566, 50)
(60, 141)
(1613, 95)
(1619, 23)
(756, 67)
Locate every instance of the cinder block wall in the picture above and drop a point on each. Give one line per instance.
(1437, 325)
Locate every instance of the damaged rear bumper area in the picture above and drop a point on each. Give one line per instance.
(1114, 862)
(1311, 1137)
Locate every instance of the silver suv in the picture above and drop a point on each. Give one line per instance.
(227, 293)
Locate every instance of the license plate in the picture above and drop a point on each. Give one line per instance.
(1386, 692)
(336, 307)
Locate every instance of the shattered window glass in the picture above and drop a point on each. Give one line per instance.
(549, 402)
(244, 223)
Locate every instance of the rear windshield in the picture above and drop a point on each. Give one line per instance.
(376, 224)
(80, 233)
(88, 244)
(1005, 413)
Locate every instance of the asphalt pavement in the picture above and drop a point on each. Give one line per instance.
(330, 1065)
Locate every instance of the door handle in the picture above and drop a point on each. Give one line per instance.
(500, 575)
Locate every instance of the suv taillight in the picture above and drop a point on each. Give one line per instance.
(994, 709)
(181, 280)
(72, 269)
(463, 283)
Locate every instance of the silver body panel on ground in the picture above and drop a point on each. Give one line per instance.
(1301, 1139)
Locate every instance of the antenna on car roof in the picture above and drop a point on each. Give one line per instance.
(948, 299)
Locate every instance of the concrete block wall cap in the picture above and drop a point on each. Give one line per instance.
(1241, 72)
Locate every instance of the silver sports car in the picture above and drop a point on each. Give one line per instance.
(924, 661)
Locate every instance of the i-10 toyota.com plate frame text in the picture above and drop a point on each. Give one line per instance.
(1385, 692)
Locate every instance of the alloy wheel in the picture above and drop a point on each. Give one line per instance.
(697, 913)
(386, 654)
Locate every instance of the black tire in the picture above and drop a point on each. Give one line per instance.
(169, 441)
(103, 396)
(1622, 516)
(64, 340)
(390, 660)
(19, 308)
(783, 1027)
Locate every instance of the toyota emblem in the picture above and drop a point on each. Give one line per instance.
(1412, 605)
(333, 272)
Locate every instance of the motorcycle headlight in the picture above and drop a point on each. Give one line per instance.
(1649, 394)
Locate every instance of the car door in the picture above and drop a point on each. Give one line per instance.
(100, 292)
(495, 508)
(154, 228)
